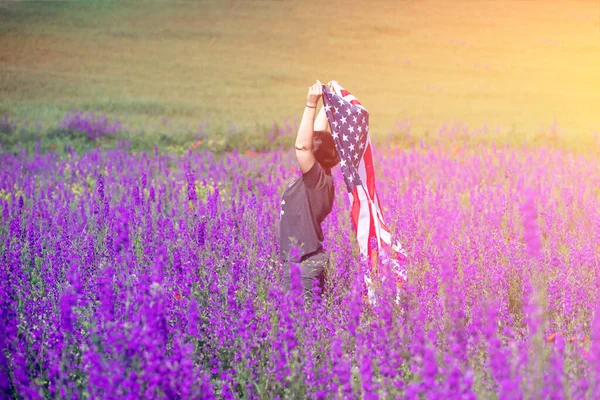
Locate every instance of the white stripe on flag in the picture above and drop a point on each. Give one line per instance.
(362, 172)
(364, 218)
(377, 224)
(379, 211)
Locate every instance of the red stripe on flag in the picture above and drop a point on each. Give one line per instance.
(372, 232)
(370, 173)
(355, 209)
(379, 205)
(355, 102)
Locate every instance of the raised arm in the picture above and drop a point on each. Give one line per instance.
(303, 145)
(321, 123)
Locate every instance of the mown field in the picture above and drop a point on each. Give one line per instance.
(145, 147)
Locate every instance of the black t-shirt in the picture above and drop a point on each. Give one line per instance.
(305, 203)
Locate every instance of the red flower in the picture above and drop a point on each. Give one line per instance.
(177, 296)
(552, 337)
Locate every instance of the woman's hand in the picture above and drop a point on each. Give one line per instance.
(314, 94)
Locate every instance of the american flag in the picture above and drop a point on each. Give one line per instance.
(349, 123)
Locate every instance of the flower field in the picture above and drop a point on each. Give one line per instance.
(154, 275)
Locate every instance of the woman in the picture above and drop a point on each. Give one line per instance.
(308, 200)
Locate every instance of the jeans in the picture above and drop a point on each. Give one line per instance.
(312, 270)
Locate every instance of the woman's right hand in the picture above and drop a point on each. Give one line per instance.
(314, 94)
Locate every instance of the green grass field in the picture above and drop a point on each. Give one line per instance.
(513, 65)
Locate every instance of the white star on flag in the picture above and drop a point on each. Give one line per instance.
(351, 129)
(345, 138)
(343, 120)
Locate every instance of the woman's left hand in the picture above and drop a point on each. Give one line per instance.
(314, 94)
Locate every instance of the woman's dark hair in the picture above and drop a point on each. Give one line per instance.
(324, 150)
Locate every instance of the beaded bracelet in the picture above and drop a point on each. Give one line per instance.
(311, 106)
